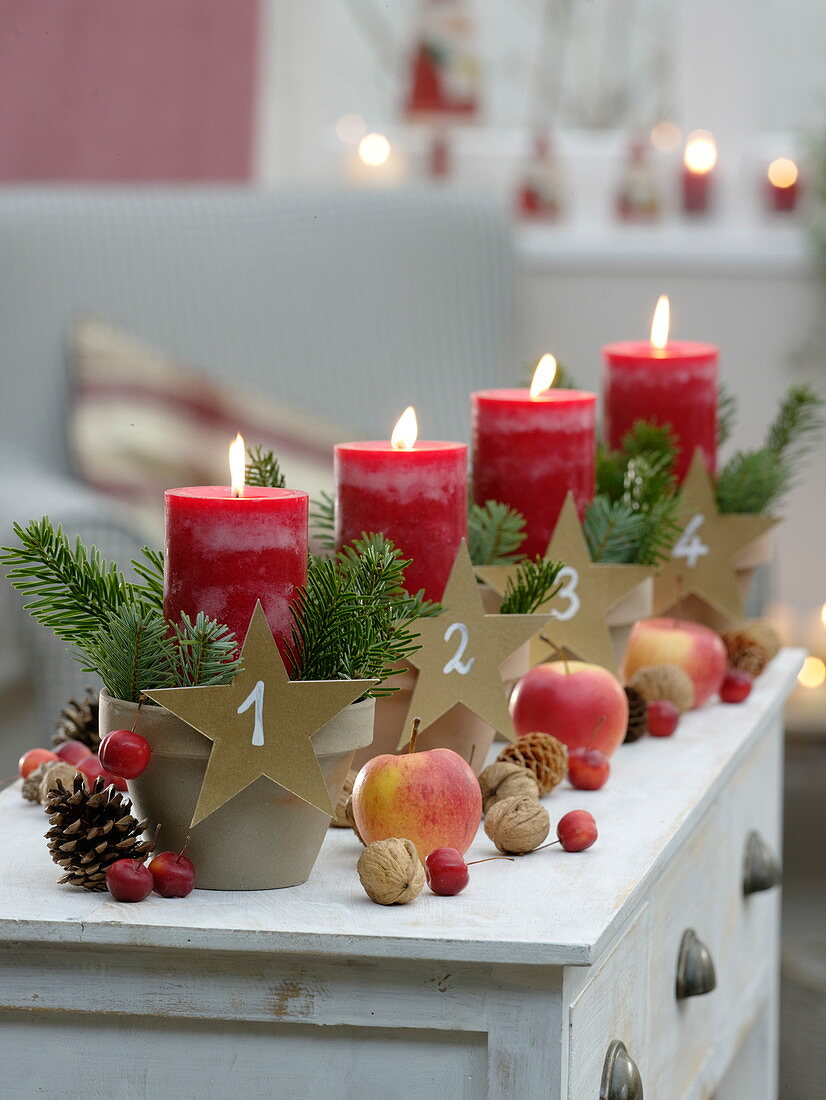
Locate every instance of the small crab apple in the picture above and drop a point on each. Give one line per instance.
(736, 686)
(577, 831)
(33, 759)
(446, 871)
(128, 880)
(124, 753)
(73, 751)
(588, 769)
(91, 767)
(663, 717)
(173, 874)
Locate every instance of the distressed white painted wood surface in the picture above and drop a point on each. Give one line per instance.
(552, 908)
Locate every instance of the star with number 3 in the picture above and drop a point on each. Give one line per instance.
(589, 590)
(702, 558)
(461, 652)
(261, 724)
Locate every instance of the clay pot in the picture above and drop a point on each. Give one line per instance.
(263, 839)
(459, 729)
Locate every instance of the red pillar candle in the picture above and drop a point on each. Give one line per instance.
(414, 493)
(667, 382)
(530, 447)
(698, 172)
(225, 551)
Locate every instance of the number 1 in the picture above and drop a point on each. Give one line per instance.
(256, 698)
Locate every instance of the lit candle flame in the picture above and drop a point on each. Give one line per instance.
(823, 614)
(782, 173)
(813, 673)
(406, 431)
(374, 150)
(237, 465)
(661, 322)
(543, 376)
(700, 152)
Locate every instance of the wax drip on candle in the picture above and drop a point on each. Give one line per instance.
(660, 323)
(237, 465)
(543, 376)
(406, 431)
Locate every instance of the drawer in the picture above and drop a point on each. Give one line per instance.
(747, 962)
(687, 896)
(611, 1004)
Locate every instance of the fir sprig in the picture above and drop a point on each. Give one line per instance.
(726, 414)
(263, 468)
(323, 522)
(205, 652)
(353, 619)
(131, 652)
(756, 481)
(150, 570)
(495, 533)
(532, 585)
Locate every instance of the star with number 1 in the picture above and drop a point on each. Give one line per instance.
(261, 724)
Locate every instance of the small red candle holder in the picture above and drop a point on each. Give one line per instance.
(698, 172)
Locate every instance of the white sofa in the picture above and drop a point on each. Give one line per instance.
(351, 304)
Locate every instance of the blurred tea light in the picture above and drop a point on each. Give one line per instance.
(813, 673)
(351, 129)
(374, 150)
(782, 172)
(700, 152)
(666, 136)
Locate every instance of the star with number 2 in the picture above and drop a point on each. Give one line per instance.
(261, 724)
(461, 652)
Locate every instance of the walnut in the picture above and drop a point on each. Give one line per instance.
(517, 825)
(665, 682)
(64, 772)
(340, 816)
(390, 871)
(504, 780)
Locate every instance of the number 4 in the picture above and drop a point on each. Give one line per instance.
(689, 545)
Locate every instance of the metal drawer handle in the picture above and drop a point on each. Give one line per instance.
(695, 967)
(761, 868)
(620, 1077)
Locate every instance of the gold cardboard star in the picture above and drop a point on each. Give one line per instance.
(261, 724)
(701, 562)
(462, 651)
(589, 591)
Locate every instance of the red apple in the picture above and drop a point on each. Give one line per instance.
(579, 704)
(33, 759)
(694, 648)
(73, 751)
(432, 798)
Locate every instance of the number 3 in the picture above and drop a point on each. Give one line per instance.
(255, 697)
(568, 592)
(456, 664)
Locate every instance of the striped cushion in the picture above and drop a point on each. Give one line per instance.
(139, 422)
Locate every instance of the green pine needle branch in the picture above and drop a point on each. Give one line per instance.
(726, 414)
(495, 533)
(323, 522)
(532, 585)
(263, 468)
(354, 619)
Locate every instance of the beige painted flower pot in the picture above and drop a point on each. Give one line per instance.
(638, 604)
(459, 729)
(263, 839)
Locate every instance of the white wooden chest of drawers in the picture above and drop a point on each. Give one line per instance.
(516, 988)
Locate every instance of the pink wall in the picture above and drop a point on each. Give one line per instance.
(127, 89)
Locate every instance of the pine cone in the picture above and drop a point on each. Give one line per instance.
(763, 632)
(744, 651)
(546, 757)
(79, 721)
(637, 715)
(90, 830)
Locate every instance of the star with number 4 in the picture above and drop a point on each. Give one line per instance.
(261, 724)
(702, 558)
(589, 591)
(461, 652)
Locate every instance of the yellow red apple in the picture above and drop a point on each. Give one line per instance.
(696, 649)
(432, 798)
(578, 703)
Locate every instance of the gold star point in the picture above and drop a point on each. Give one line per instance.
(462, 650)
(261, 724)
(702, 558)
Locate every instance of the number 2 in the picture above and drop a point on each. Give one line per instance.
(456, 664)
(256, 698)
(689, 545)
